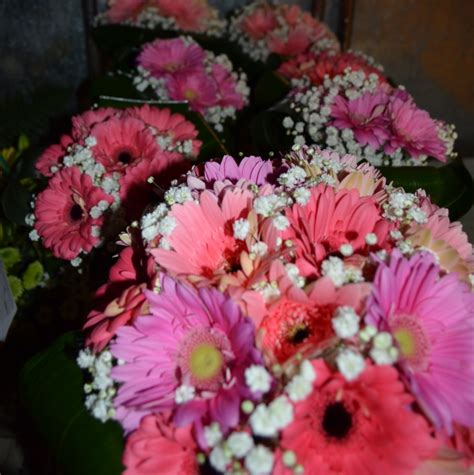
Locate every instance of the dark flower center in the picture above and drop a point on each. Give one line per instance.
(124, 157)
(337, 420)
(75, 212)
(299, 333)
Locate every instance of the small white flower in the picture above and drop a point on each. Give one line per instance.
(240, 443)
(213, 434)
(33, 235)
(371, 239)
(367, 333)
(76, 262)
(241, 228)
(350, 364)
(261, 422)
(307, 371)
(334, 269)
(259, 248)
(382, 341)
(259, 461)
(382, 357)
(281, 222)
(289, 458)
(302, 195)
(288, 122)
(281, 411)
(219, 459)
(258, 379)
(299, 388)
(184, 394)
(346, 322)
(346, 250)
(85, 359)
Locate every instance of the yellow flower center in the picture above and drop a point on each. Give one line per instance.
(189, 94)
(406, 342)
(205, 361)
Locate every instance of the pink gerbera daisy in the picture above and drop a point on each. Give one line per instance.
(190, 15)
(197, 88)
(189, 355)
(432, 320)
(52, 157)
(122, 10)
(167, 124)
(364, 116)
(157, 447)
(329, 220)
(171, 57)
(360, 427)
(413, 130)
(226, 88)
(82, 124)
(122, 142)
(62, 213)
(300, 320)
(260, 22)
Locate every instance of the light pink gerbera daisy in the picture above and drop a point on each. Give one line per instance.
(413, 130)
(364, 116)
(361, 427)
(329, 220)
(172, 57)
(157, 447)
(260, 22)
(122, 142)
(432, 321)
(82, 124)
(62, 213)
(52, 156)
(189, 356)
(168, 124)
(197, 88)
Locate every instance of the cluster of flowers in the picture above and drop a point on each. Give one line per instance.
(178, 15)
(179, 69)
(262, 28)
(348, 105)
(288, 317)
(99, 175)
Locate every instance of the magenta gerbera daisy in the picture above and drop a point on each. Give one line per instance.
(432, 320)
(63, 213)
(189, 355)
(174, 56)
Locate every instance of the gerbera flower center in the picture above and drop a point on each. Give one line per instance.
(337, 420)
(205, 362)
(190, 94)
(203, 358)
(75, 213)
(124, 157)
(299, 333)
(412, 341)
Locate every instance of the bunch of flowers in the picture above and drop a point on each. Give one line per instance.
(316, 66)
(99, 176)
(179, 69)
(357, 111)
(262, 28)
(195, 16)
(287, 317)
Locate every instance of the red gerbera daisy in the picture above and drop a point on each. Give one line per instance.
(62, 211)
(360, 427)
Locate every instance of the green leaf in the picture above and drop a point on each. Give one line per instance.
(51, 388)
(212, 146)
(449, 186)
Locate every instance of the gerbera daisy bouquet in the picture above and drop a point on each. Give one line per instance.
(262, 28)
(99, 176)
(355, 110)
(195, 16)
(287, 317)
(179, 69)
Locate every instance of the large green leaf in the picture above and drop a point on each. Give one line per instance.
(212, 146)
(51, 391)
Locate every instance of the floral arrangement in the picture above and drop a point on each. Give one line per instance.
(281, 317)
(180, 70)
(316, 66)
(195, 16)
(262, 28)
(100, 176)
(357, 111)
